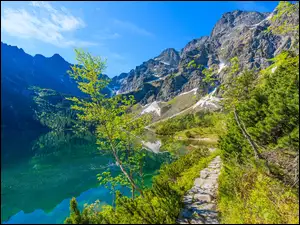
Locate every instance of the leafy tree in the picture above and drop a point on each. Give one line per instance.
(237, 85)
(111, 182)
(283, 11)
(237, 88)
(115, 124)
(263, 108)
(281, 24)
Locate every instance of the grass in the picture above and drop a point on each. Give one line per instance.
(136, 108)
(172, 101)
(197, 132)
(247, 195)
(186, 179)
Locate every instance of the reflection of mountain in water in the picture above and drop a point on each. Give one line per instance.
(60, 165)
(153, 146)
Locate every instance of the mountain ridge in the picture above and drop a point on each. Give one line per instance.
(237, 33)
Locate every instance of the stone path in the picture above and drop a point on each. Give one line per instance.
(200, 203)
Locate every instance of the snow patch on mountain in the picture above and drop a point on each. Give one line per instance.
(208, 102)
(153, 146)
(221, 66)
(153, 107)
(266, 19)
(166, 63)
(193, 90)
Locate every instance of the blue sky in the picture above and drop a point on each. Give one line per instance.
(125, 33)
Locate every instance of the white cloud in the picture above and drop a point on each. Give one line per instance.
(47, 24)
(132, 27)
(41, 4)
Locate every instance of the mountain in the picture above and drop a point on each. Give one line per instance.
(246, 35)
(152, 70)
(238, 33)
(19, 71)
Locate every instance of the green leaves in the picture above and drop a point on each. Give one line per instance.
(268, 106)
(283, 11)
(88, 73)
(161, 204)
(116, 126)
(111, 182)
(237, 85)
(210, 76)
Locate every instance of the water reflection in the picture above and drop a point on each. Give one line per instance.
(162, 144)
(153, 146)
(60, 165)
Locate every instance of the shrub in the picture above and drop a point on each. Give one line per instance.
(161, 203)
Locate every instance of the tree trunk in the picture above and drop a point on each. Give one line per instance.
(132, 194)
(120, 164)
(246, 135)
(114, 196)
(130, 172)
(126, 174)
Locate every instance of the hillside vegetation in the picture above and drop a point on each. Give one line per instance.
(255, 180)
(261, 147)
(256, 134)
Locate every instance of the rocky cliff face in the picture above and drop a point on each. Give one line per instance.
(153, 70)
(238, 33)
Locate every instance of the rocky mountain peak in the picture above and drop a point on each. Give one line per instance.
(39, 56)
(57, 56)
(12, 50)
(193, 46)
(238, 33)
(169, 56)
(235, 19)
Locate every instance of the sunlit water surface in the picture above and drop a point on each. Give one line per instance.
(41, 173)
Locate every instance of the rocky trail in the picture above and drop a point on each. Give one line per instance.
(200, 200)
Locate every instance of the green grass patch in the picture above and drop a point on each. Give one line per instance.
(199, 123)
(197, 132)
(172, 101)
(247, 195)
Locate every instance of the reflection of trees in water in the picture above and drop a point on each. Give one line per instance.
(61, 144)
(67, 134)
(153, 161)
(52, 110)
(164, 143)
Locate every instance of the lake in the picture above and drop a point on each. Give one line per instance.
(41, 172)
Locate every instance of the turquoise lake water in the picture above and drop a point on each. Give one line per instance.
(41, 173)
